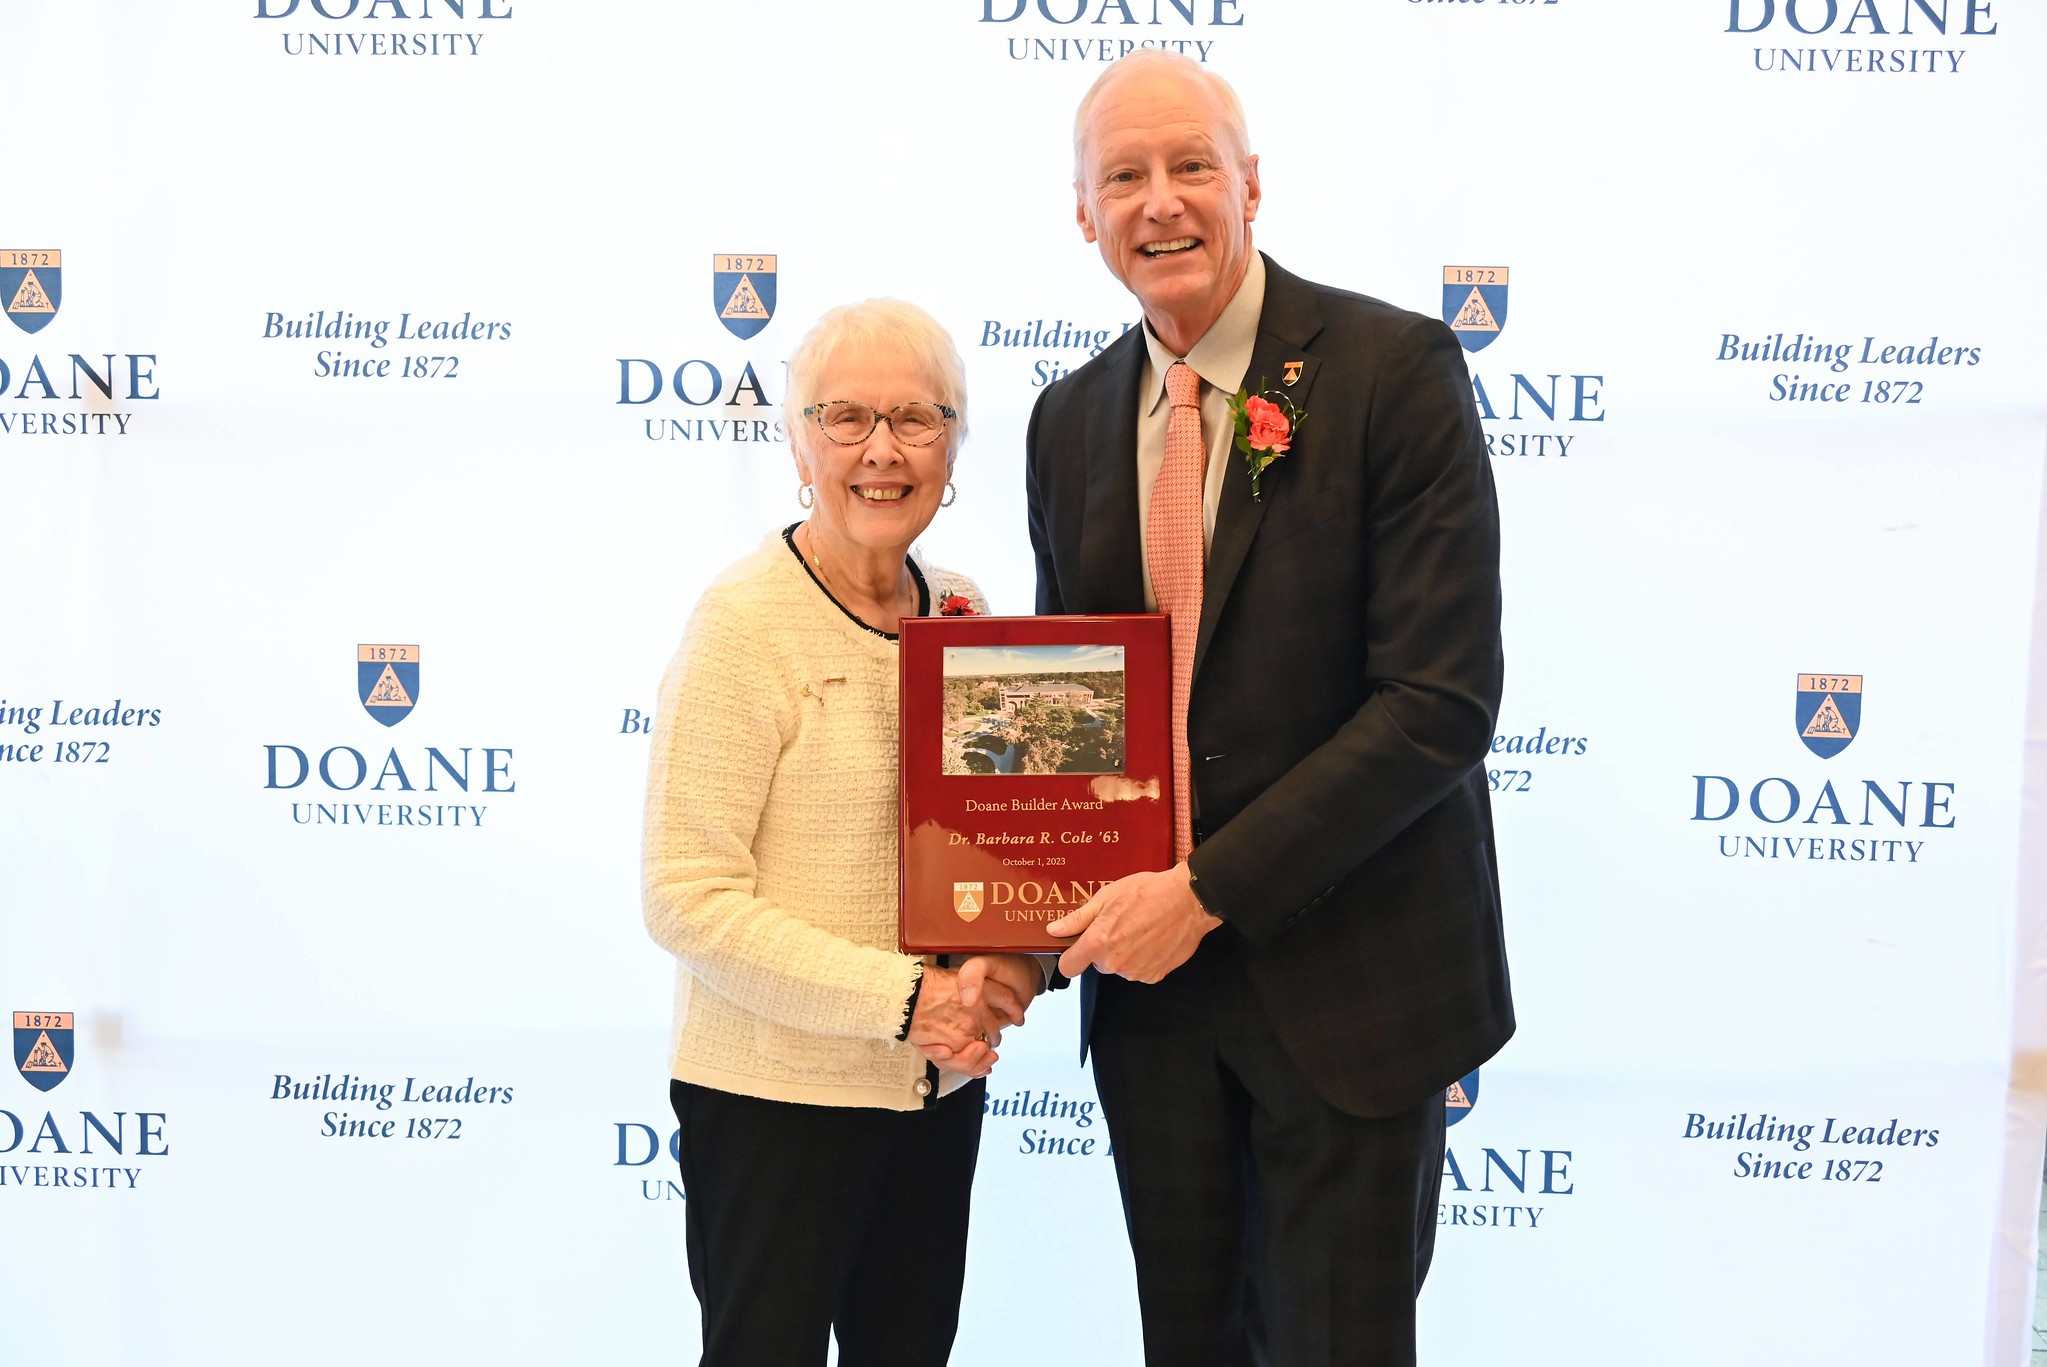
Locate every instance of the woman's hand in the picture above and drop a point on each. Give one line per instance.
(956, 1037)
(991, 990)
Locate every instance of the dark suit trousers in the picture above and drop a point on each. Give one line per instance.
(1268, 1227)
(809, 1220)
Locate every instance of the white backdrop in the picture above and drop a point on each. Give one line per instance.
(210, 541)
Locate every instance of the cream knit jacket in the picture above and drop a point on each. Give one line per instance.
(769, 865)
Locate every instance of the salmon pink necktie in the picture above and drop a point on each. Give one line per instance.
(1173, 552)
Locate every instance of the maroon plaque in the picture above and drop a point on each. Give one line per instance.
(1035, 769)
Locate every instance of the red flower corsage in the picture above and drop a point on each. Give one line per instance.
(1265, 428)
(956, 605)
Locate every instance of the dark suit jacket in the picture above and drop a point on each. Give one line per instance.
(1346, 679)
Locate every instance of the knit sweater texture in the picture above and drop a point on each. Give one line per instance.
(769, 864)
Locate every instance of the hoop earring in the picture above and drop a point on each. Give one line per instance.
(806, 497)
(952, 496)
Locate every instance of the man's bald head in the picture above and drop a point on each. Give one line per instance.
(1150, 61)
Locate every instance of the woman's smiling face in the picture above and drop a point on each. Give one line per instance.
(880, 493)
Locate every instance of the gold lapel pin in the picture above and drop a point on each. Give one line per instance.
(1291, 372)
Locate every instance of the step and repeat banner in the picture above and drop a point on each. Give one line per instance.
(382, 380)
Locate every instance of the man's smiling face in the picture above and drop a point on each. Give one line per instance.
(1168, 199)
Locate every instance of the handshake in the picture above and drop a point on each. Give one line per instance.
(962, 1012)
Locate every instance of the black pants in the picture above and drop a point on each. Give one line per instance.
(805, 1220)
(1268, 1227)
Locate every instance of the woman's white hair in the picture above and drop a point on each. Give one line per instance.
(887, 325)
(1234, 131)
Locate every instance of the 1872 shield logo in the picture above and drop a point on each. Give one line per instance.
(31, 286)
(1475, 303)
(1459, 1097)
(968, 899)
(42, 1047)
(387, 681)
(743, 292)
(1829, 711)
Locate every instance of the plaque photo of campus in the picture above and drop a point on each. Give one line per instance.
(1033, 710)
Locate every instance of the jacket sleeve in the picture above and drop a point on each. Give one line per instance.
(1432, 628)
(1050, 601)
(945, 583)
(717, 739)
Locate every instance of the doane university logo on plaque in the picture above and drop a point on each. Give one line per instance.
(968, 899)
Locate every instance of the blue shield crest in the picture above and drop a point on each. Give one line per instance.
(743, 292)
(1475, 303)
(31, 286)
(1459, 1098)
(42, 1047)
(387, 681)
(1829, 711)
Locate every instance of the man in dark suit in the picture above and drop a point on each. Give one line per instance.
(1274, 1020)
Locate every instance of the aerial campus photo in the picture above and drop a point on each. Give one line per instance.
(1033, 710)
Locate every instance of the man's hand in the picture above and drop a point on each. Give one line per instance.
(1141, 927)
(1001, 983)
(957, 1037)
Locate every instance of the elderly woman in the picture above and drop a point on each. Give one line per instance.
(828, 1088)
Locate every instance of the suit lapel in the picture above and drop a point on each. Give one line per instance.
(1288, 321)
(1112, 561)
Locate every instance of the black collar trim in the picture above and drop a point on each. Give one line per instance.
(923, 589)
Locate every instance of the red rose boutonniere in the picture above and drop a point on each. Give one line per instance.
(956, 605)
(1266, 423)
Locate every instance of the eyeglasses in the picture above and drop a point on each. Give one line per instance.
(846, 423)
